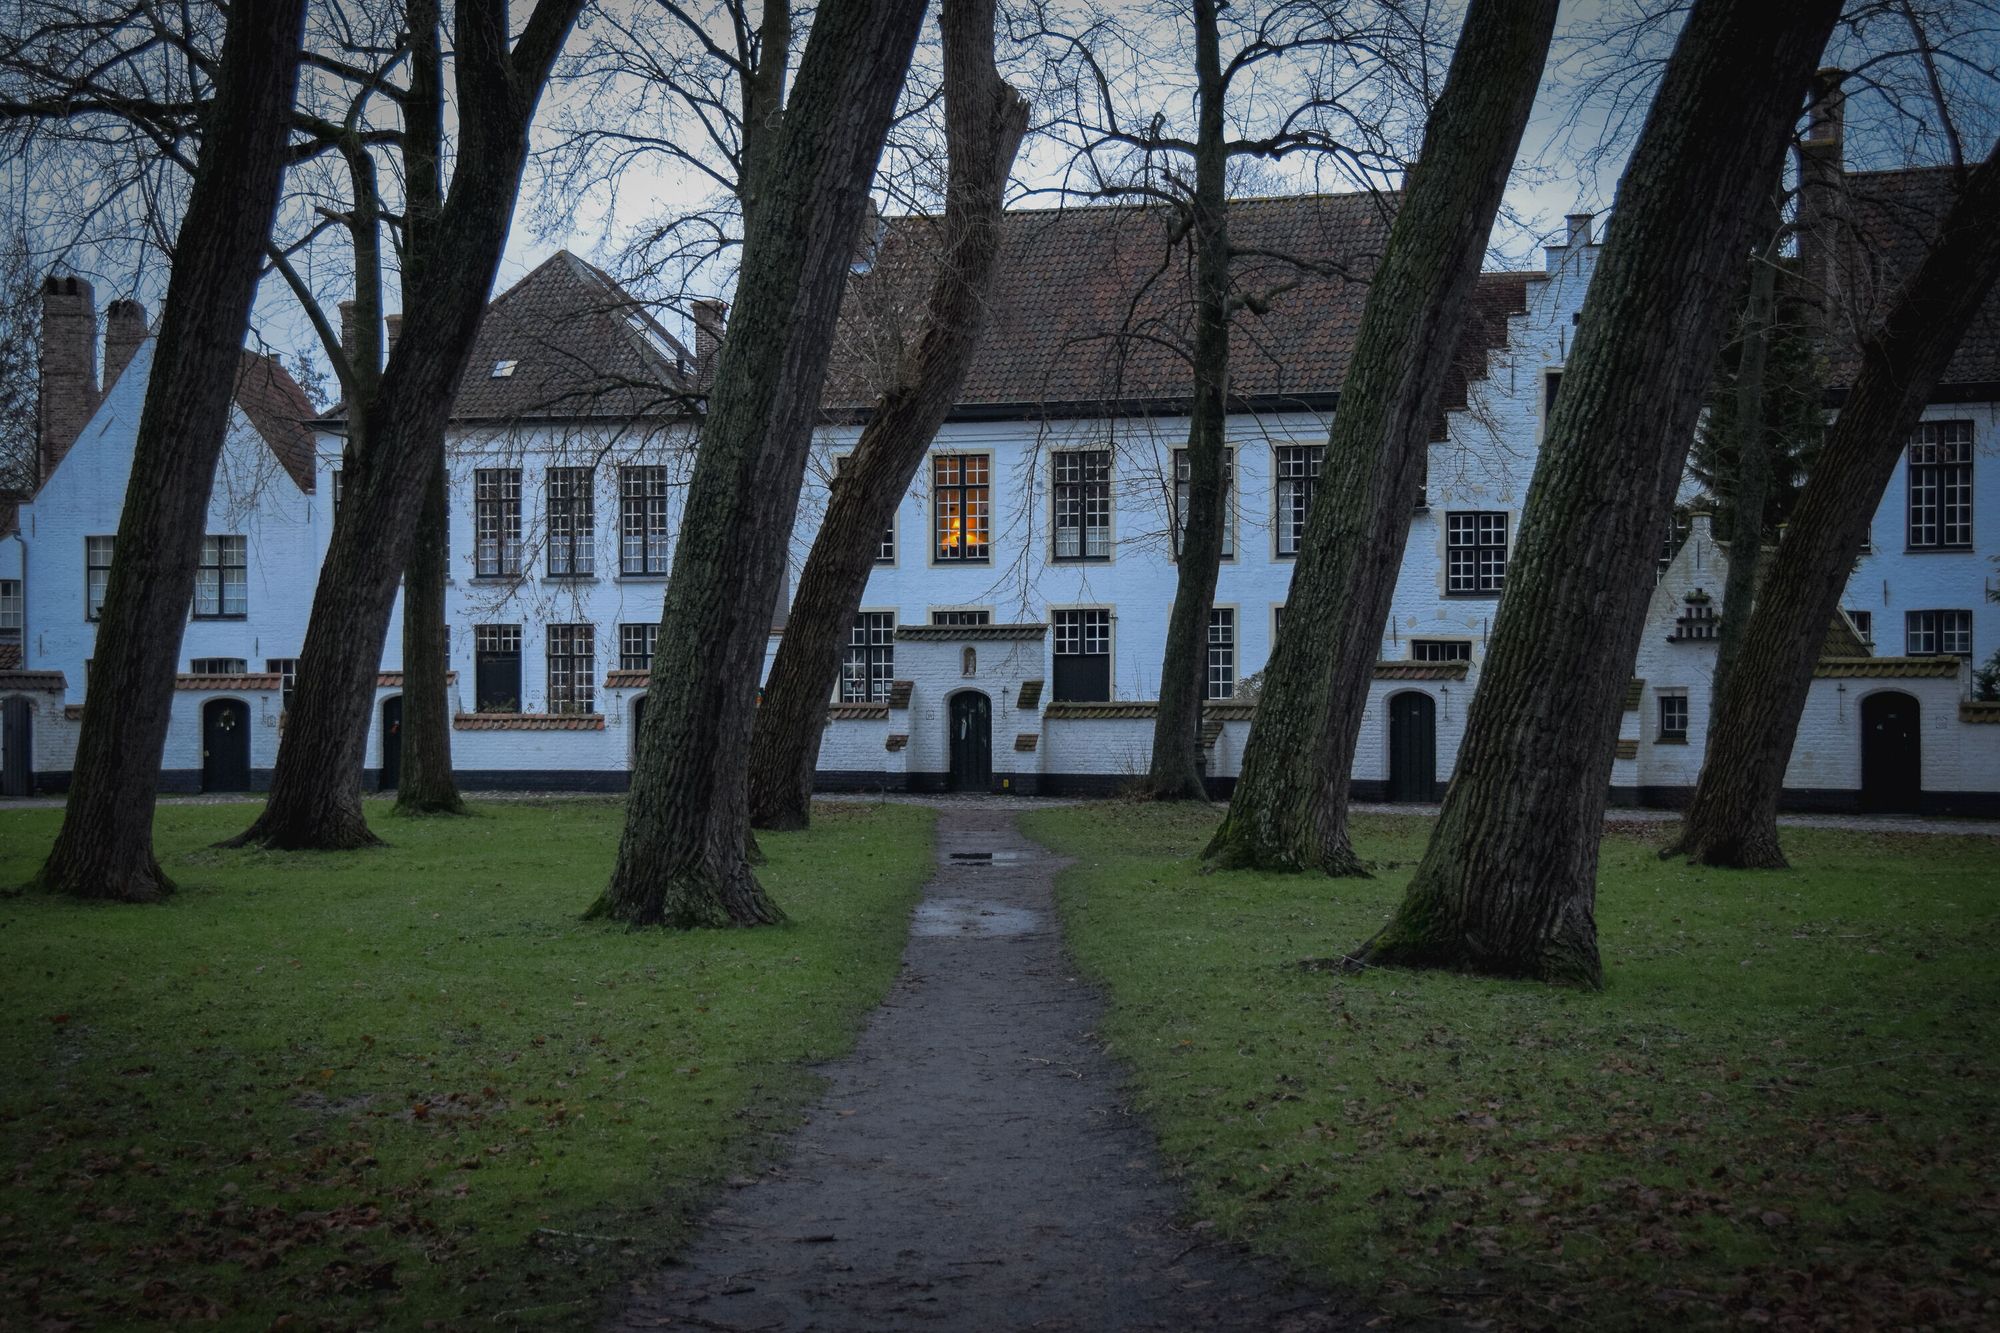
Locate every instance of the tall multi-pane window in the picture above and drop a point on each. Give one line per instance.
(572, 522)
(496, 511)
(497, 668)
(1298, 477)
(286, 669)
(1082, 503)
(635, 645)
(642, 520)
(1931, 633)
(222, 579)
(1082, 655)
(963, 616)
(96, 574)
(13, 611)
(870, 660)
(1941, 486)
(1221, 653)
(1475, 553)
(885, 551)
(572, 669)
(962, 503)
(1181, 475)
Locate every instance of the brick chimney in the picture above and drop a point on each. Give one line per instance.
(69, 391)
(392, 329)
(710, 320)
(124, 329)
(1578, 228)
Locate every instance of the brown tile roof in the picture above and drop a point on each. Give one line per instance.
(1628, 748)
(896, 742)
(628, 680)
(973, 633)
(74, 712)
(1026, 741)
(279, 410)
(858, 712)
(899, 693)
(1420, 670)
(250, 680)
(1117, 708)
(393, 680)
(1886, 668)
(10, 656)
(1031, 695)
(1227, 711)
(1979, 710)
(36, 681)
(1843, 639)
(528, 722)
(1635, 691)
(1084, 312)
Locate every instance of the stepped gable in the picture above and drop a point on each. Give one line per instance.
(278, 409)
(1090, 307)
(570, 342)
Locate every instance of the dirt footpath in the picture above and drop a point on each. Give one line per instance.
(972, 1165)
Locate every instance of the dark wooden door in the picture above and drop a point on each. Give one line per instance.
(638, 727)
(17, 747)
(1412, 747)
(971, 742)
(1892, 754)
(225, 745)
(392, 744)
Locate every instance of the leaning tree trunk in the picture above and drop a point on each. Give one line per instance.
(985, 119)
(682, 859)
(426, 785)
(1733, 817)
(105, 846)
(1508, 884)
(1289, 809)
(1175, 770)
(1753, 459)
(316, 789)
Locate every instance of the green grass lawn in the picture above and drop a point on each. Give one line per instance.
(1784, 1108)
(405, 1087)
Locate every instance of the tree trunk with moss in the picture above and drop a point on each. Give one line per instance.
(984, 122)
(104, 849)
(1753, 454)
(1289, 809)
(1508, 884)
(1732, 819)
(682, 859)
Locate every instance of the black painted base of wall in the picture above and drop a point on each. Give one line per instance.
(1825, 801)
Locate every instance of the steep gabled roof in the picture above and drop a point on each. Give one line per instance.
(1092, 306)
(278, 409)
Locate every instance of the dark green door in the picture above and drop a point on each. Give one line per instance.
(225, 745)
(1412, 747)
(1892, 754)
(392, 744)
(971, 742)
(17, 747)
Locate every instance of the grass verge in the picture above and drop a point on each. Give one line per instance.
(1784, 1109)
(406, 1087)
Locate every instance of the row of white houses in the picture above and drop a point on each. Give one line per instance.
(1011, 634)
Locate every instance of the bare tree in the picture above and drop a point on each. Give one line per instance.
(20, 357)
(1508, 883)
(683, 860)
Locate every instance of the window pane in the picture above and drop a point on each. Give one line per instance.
(1221, 653)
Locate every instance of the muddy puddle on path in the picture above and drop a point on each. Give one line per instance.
(948, 918)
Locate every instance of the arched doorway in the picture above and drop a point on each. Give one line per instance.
(225, 745)
(1412, 746)
(638, 728)
(392, 743)
(971, 742)
(1892, 754)
(17, 746)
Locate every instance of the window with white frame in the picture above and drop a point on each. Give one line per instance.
(963, 616)
(13, 610)
(1864, 625)
(1673, 715)
(962, 505)
(1298, 477)
(642, 519)
(1440, 650)
(286, 669)
(635, 645)
(1941, 486)
(572, 669)
(222, 579)
(1938, 633)
(217, 666)
(572, 523)
(1222, 652)
(1475, 552)
(1082, 655)
(1181, 477)
(96, 574)
(496, 510)
(1082, 497)
(870, 660)
(337, 481)
(885, 550)
(497, 668)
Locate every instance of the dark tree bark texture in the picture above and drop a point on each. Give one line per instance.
(985, 119)
(1732, 819)
(1174, 773)
(1508, 884)
(316, 788)
(1289, 809)
(682, 861)
(105, 846)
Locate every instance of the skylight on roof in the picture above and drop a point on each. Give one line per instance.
(503, 369)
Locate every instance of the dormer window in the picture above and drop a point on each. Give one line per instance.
(504, 369)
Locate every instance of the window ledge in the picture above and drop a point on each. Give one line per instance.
(569, 578)
(1079, 559)
(239, 617)
(1935, 550)
(1474, 596)
(494, 580)
(1670, 740)
(641, 578)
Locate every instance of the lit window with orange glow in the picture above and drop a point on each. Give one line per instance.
(962, 503)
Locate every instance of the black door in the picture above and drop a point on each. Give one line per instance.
(392, 744)
(1892, 754)
(638, 726)
(17, 747)
(1412, 747)
(971, 742)
(225, 745)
